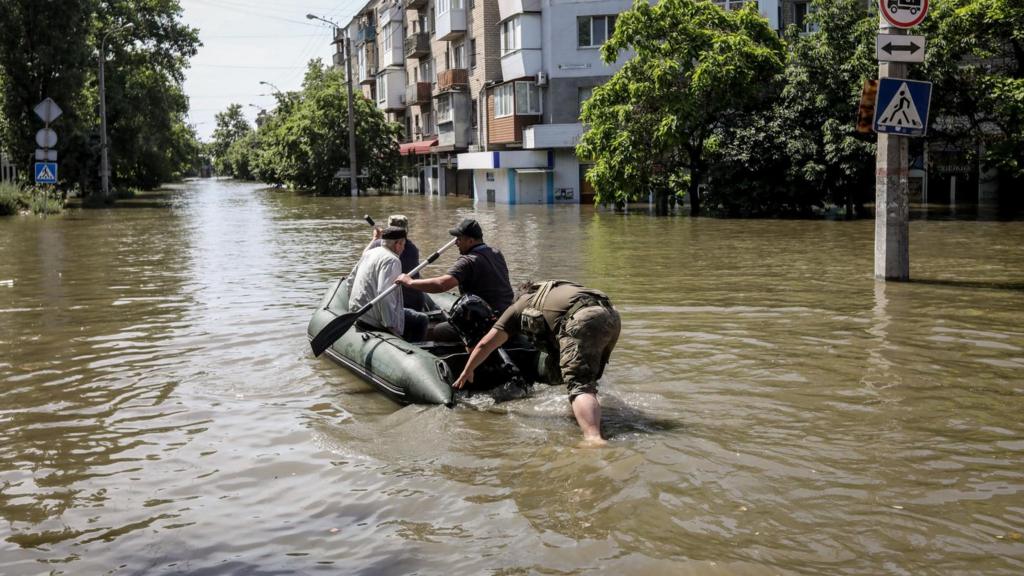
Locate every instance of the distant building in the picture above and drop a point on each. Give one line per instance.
(489, 92)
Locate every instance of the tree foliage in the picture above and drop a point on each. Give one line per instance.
(801, 151)
(45, 51)
(976, 60)
(695, 67)
(231, 127)
(304, 141)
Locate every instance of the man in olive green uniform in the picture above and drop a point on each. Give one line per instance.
(577, 326)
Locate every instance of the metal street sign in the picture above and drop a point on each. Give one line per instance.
(46, 138)
(903, 13)
(47, 110)
(46, 172)
(46, 154)
(898, 48)
(902, 107)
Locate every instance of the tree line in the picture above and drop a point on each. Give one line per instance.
(52, 50)
(713, 104)
(303, 141)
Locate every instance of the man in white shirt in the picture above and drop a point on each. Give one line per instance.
(375, 272)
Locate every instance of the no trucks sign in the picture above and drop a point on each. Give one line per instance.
(903, 13)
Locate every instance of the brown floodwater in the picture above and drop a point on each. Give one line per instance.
(770, 408)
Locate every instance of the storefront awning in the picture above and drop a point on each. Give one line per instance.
(418, 147)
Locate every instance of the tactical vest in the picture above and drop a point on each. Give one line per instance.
(532, 322)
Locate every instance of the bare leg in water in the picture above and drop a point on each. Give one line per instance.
(587, 410)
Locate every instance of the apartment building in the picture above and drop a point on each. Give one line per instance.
(489, 91)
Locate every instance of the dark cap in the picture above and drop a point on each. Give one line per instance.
(393, 233)
(468, 227)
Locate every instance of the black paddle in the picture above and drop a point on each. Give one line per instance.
(336, 328)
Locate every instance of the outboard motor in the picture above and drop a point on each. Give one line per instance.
(472, 318)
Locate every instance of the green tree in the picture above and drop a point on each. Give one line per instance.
(305, 142)
(231, 127)
(801, 151)
(976, 60)
(54, 52)
(695, 67)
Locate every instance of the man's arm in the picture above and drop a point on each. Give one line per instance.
(429, 285)
(489, 343)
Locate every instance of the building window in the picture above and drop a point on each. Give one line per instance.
(800, 12)
(583, 95)
(458, 55)
(472, 53)
(511, 35)
(504, 97)
(474, 111)
(593, 31)
(382, 94)
(527, 98)
(446, 6)
(444, 110)
(427, 70)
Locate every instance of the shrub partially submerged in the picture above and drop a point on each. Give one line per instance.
(38, 200)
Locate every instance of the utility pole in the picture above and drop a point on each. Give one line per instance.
(892, 206)
(347, 52)
(104, 159)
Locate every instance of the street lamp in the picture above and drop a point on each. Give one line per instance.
(265, 83)
(105, 168)
(347, 52)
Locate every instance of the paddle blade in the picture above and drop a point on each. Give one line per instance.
(334, 329)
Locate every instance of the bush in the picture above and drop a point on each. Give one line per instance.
(43, 200)
(10, 199)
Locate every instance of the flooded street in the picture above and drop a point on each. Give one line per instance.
(770, 408)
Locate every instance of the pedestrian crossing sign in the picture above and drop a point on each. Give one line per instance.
(901, 107)
(46, 172)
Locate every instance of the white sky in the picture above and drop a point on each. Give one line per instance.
(246, 41)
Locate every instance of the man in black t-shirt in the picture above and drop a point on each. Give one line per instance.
(480, 270)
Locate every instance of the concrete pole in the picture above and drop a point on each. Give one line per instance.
(892, 210)
(354, 177)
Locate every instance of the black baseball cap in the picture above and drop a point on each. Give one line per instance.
(468, 227)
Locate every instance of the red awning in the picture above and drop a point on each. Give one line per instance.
(418, 147)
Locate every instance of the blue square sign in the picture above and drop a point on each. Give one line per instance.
(901, 107)
(46, 172)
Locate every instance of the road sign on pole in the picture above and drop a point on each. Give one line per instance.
(903, 13)
(46, 172)
(45, 154)
(47, 110)
(46, 138)
(899, 48)
(902, 107)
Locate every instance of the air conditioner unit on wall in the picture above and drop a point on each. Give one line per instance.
(542, 78)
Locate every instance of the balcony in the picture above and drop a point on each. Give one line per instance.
(417, 94)
(365, 34)
(391, 89)
(451, 24)
(508, 8)
(415, 4)
(339, 60)
(452, 79)
(390, 14)
(417, 45)
(367, 74)
(339, 35)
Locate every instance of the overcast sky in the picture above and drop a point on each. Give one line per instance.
(246, 41)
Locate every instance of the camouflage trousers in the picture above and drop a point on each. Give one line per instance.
(585, 342)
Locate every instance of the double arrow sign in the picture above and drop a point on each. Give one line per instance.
(899, 48)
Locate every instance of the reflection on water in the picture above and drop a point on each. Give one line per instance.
(770, 407)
